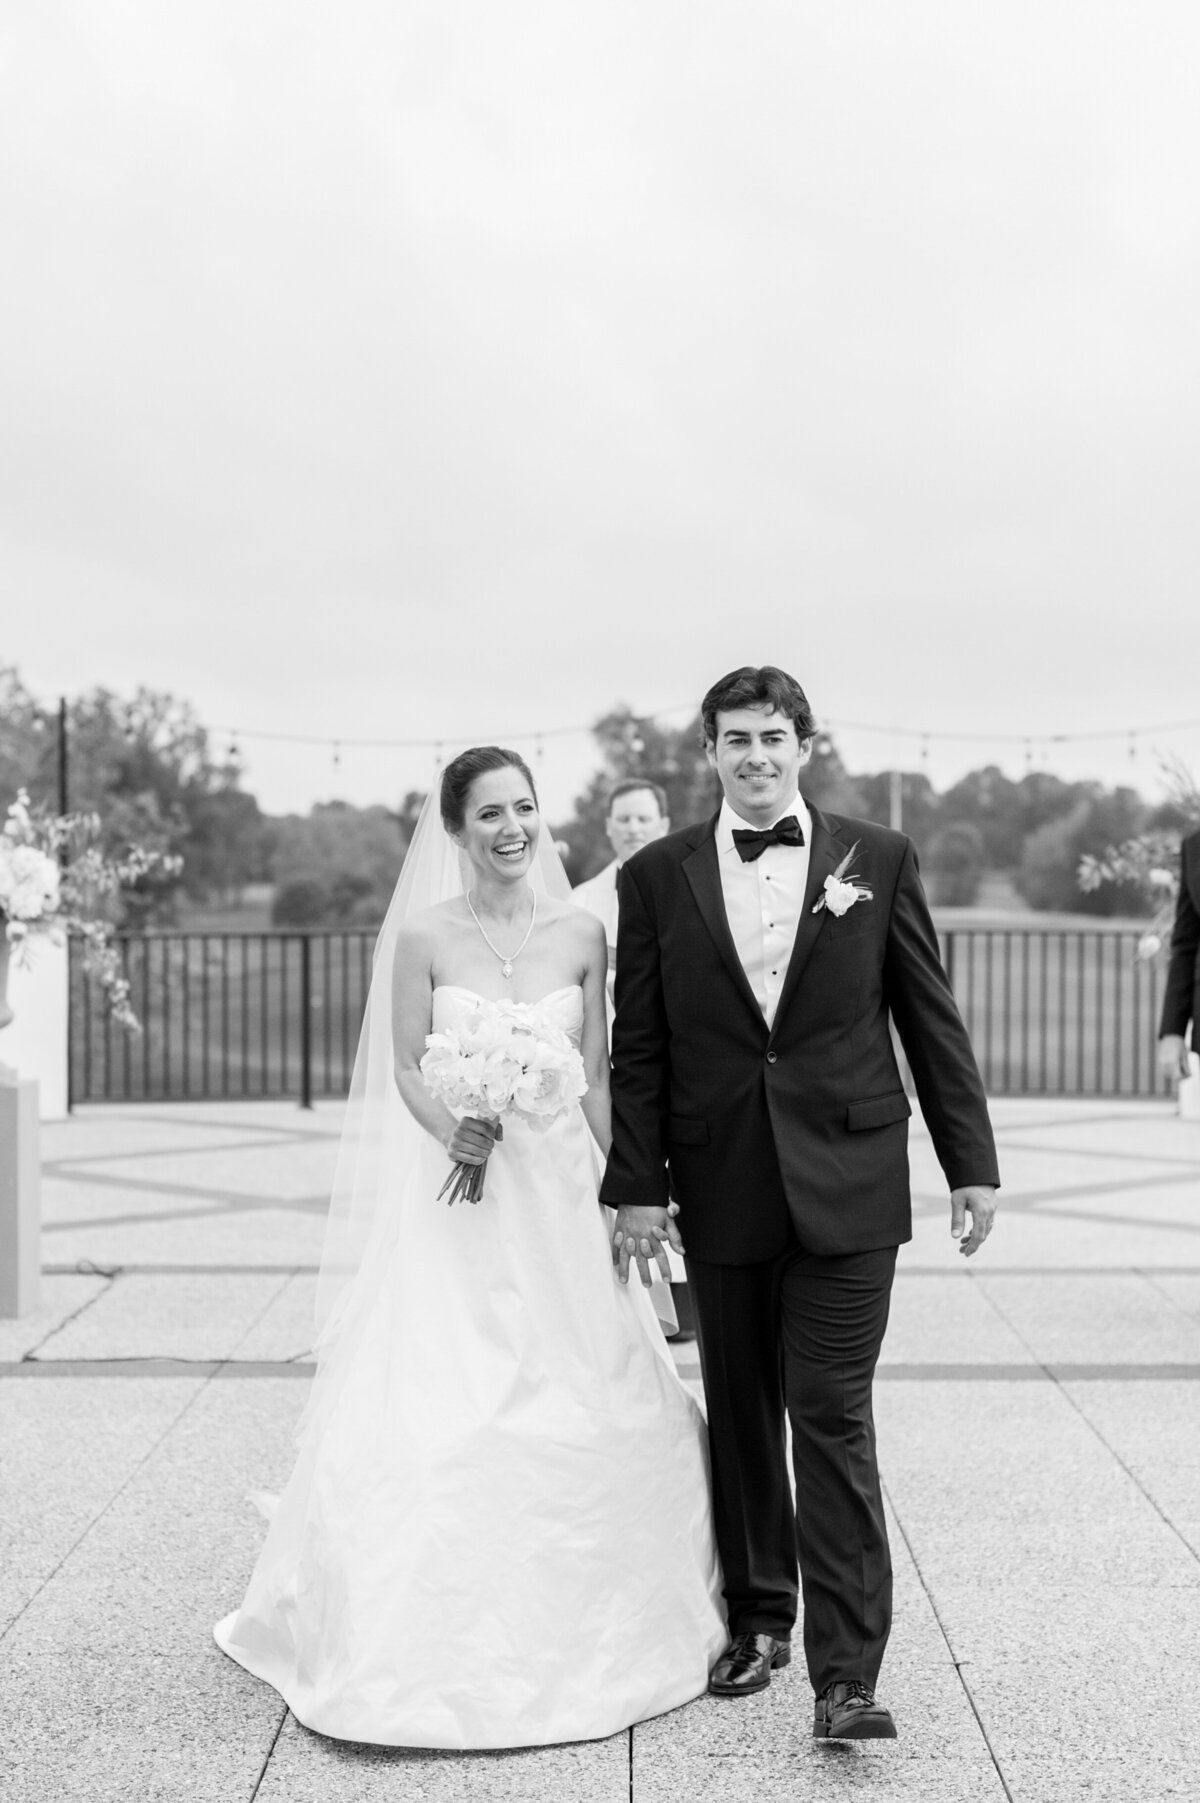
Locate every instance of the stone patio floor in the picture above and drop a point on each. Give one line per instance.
(1039, 1428)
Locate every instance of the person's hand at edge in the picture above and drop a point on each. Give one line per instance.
(641, 1236)
(979, 1200)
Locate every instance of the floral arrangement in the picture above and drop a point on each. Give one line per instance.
(55, 881)
(1149, 864)
(501, 1060)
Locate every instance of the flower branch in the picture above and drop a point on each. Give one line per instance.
(57, 882)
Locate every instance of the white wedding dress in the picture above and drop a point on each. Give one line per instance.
(498, 1530)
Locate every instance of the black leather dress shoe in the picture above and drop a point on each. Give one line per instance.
(747, 1663)
(848, 1711)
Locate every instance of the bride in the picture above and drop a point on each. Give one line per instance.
(497, 1532)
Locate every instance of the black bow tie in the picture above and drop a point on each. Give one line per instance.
(752, 844)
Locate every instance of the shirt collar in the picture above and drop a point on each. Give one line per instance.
(728, 821)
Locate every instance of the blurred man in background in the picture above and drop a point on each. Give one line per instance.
(637, 813)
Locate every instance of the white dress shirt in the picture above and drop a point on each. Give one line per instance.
(763, 900)
(599, 896)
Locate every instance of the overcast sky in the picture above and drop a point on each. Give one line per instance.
(378, 370)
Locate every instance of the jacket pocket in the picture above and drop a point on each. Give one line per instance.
(686, 1132)
(878, 1111)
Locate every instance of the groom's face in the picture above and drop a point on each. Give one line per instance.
(758, 759)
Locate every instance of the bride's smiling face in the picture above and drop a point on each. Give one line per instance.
(500, 825)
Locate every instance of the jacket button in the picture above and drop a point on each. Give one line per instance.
(772, 1057)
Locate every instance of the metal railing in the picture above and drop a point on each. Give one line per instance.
(1050, 1012)
(1058, 1012)
(225, 1015)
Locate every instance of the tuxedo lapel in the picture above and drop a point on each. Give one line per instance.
(828, 850)
(704, 878)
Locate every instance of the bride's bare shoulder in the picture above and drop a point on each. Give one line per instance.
(429, 928)
(574, 919)
(556, 908)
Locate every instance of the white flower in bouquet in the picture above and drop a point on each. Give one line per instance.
(501, 1060)
(549, 1083)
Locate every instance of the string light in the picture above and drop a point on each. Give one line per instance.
(924, 736)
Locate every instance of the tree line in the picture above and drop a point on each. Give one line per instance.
(146, 764)
(1034, 829)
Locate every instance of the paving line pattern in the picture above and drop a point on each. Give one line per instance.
(1031, 1131)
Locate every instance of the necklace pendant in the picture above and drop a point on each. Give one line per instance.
(506, 970)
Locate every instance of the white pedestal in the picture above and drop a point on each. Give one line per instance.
(1189, 1091)
(35, 1043)
(20, 1203)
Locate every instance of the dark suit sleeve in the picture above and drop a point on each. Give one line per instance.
(636, 1174)
(922, 1005)
(1185, 943)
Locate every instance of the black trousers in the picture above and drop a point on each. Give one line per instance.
(799, 1334)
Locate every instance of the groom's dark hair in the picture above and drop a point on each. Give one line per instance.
(766, 687)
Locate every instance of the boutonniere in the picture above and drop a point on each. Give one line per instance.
(841, 891)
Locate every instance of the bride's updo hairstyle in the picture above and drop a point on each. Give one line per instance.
(460, 774)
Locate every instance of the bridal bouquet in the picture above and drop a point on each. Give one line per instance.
(501, 1060)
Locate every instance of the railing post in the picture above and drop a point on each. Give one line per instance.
(948, 955)
(305, 1021)
(70, 1021)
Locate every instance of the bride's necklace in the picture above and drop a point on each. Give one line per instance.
(506, 964)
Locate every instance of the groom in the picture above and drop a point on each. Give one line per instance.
(761, 958)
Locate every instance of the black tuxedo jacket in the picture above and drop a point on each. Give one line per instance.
(805, 1124)
(1181, 1002)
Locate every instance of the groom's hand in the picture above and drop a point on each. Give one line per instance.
(980, 1200)
(642, 1234)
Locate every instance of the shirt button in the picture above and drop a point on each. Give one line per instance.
(772, 1057)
